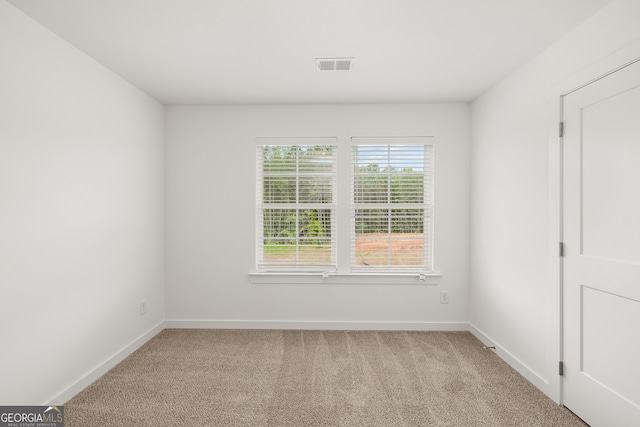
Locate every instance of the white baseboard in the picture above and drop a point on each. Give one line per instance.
(524, 370)
(317, 325)
(84, 382)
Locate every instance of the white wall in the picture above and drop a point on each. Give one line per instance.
(81, 212)
(511, 283)
(210, 217)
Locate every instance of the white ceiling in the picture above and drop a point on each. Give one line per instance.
(263, 51)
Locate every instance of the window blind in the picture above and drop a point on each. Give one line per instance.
(392, 204)
(296, 203)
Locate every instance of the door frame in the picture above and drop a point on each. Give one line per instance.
(601, 69)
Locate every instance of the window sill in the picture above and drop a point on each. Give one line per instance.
(346, 278)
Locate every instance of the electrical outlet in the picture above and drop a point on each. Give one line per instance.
(143, 307)
(444, 297)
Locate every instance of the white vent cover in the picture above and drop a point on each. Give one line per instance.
(334, 64)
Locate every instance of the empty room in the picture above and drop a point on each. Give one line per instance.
(338, 213)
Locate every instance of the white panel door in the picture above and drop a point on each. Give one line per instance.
(601, 267)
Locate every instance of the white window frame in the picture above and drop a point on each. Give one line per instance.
(426, 205)
(344, 273)
(297, 205)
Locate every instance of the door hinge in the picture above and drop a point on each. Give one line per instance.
(561, 129)
(561, 249)
(560, 368)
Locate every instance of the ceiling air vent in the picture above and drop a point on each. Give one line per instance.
(334, 64)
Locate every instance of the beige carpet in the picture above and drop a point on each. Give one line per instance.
(313, 378)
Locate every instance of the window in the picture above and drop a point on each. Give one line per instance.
(389, 210)
(392, 205)
(296, 199)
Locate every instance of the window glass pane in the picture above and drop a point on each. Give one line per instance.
(407, 221)
(315, 189)
(279, 226)
(283, 254)
(314, 223)
(279, 189)
(382, 250)
(299, 237)
(279, 159)
(316, 159)
(407, 186)
(407, 250)
(389, 237)
(372, 250)
(390, 210)
(371, 221)
(371, 185)
(403, 157)
(314, 252)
